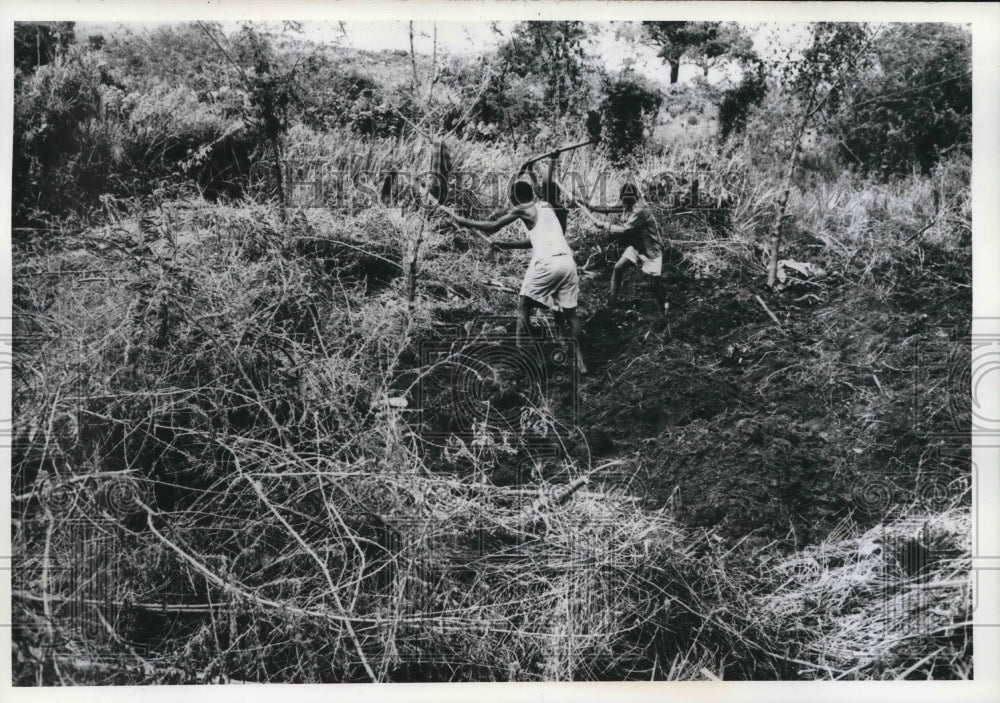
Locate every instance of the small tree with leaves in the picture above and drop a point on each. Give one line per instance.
(552, 55)
(676, 40)
(272, 90)
(913, 104)
(814, 83)
(271, 95)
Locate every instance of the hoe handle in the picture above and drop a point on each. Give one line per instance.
(560, 150)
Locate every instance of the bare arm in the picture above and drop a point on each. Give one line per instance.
(488, 226)
(586, 209)
(517, 244)
(598, 222)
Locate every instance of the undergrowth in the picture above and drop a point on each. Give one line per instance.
(215, 409)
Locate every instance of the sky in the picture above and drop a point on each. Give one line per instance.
(468, 38)
(474, 38)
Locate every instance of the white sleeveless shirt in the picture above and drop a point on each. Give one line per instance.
(546, 236)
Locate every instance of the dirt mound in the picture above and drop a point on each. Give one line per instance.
(743, 474)
(773, 429)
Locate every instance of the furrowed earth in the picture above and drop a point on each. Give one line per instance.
(767, 432)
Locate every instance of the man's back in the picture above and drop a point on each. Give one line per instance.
(547, 238)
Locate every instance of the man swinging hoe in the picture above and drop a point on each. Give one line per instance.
(551, 280)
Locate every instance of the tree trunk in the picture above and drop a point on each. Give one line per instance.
(413, 61)
(813, 106)
(434, 53)
(278, 176)
(675, 69)
(412, 266)
(775, 243)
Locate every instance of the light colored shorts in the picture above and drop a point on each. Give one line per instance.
(552, 281)
(654, 267)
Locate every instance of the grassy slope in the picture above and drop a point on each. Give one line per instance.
(723, 420)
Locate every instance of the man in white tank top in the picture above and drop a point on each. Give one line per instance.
(551, 280)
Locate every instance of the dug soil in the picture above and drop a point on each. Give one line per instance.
(776, 432)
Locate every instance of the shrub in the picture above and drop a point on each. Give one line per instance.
(79, 137)
(916, 107)
(51, 154)
(737, 102)
(629, 105)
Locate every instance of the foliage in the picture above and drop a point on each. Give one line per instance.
(675, 39)
(339, 94)
(818, 79)
(271, 94)
(627, 110)
(53, 111)
(38, 43)
(913, 105)
(181, 55)
(552, 53)
(79, 138)
(271, 89)
(813, 85)
(737, 102)
(506, 106)
(540, 82)
(705, 42)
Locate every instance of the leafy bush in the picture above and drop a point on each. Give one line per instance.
(737, 102)
(79, 137)
(627, 110)
(339, 94)
(179, 55)
(53, 111)
(915, 106)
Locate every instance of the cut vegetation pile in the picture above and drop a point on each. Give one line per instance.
(894, 602)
